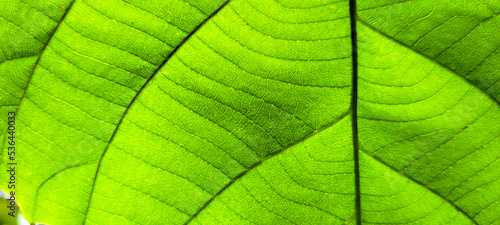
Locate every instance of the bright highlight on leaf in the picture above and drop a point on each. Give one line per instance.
(252, 111)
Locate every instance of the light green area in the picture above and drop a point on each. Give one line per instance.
(250, 120)
(25, 29)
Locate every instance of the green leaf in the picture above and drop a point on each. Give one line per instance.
(253, 112)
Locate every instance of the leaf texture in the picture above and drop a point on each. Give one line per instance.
(26, 30)
(254, 112)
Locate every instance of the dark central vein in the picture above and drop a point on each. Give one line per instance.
(354, 108)
(135, 98)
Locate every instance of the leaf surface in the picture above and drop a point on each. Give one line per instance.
(261, 112)
(26, 30)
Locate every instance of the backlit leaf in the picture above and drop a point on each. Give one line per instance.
(253, 111)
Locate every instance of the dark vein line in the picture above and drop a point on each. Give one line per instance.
(52, 176)
(22, 57)
(33, 72)
(135, 98)
(449, 70)
(429, 58)
(246, 92)
(263, 160)
(354, 109)
(26, 90)
(419, 183)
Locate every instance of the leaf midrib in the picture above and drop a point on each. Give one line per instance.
(354, 108)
